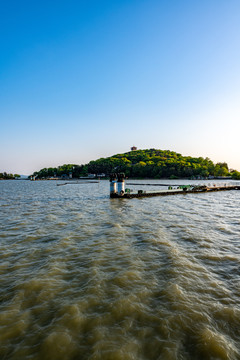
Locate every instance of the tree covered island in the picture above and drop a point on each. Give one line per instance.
(151, 163)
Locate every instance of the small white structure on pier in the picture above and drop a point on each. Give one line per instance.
(113, 184)
(117, 185)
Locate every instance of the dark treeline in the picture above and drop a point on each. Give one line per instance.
(145, 164)
(75, 170)
(5, 176)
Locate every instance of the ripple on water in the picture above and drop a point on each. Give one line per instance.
(86, 277)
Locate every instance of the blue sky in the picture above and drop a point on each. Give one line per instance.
(81, 80)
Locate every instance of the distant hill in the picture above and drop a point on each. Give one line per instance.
(153, 163)
(149, 163)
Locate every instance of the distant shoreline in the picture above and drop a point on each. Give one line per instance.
(130, 178)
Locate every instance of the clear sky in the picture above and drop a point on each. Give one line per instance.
(84, 79)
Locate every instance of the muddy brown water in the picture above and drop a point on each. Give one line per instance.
(84, 276)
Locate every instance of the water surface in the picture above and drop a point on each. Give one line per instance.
(88, 277)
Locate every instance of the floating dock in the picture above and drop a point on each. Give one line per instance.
(117, 189)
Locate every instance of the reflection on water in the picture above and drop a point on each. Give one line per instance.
(88, 277)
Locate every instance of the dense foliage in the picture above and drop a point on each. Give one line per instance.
(143, 163)
(64, 170)
(158, 164)
(235, 175)
(6, 176)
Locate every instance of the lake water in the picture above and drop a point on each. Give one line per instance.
(84, 276)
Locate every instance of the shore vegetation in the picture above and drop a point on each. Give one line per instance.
(150, 163)
(5, 176)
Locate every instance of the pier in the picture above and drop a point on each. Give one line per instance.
(118, 190)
